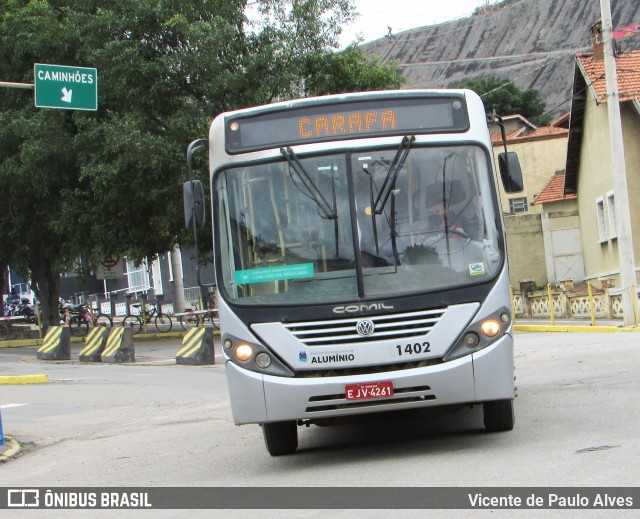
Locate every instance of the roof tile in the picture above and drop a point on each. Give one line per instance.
(628, 68)
(553, 191)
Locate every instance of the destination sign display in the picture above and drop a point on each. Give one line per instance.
(340, 121)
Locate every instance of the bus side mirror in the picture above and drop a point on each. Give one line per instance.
(193, 196)
(510, 172)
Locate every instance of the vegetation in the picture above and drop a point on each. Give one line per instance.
(77, 185)
(492, 7)
(503, 96)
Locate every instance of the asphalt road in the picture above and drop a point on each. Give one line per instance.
(155, 423)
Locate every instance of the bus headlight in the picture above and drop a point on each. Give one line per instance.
(253, 356)
(471, 340)
(243, 352)
(263, 360)
(480, 334)
(490, 327)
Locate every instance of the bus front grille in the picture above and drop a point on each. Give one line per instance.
(373, 328)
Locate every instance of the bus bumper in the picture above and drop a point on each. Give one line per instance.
(484, 375)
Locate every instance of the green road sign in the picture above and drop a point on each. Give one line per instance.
(66, 88)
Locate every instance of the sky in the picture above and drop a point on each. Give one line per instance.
(401, 15)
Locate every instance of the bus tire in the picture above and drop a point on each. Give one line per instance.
(280, 437)
(498, 415)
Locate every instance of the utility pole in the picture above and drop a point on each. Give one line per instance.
(621, 193)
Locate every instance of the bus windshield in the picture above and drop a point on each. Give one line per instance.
(358, 224)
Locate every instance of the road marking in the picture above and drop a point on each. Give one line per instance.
(7, 406)
(23, 379)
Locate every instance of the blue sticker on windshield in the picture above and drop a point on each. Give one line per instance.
(476, 269)
(262, 275)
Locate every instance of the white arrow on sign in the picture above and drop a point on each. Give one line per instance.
(66, 95)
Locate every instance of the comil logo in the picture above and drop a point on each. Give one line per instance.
(23, 498)
(365, 307)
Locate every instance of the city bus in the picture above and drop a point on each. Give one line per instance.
(360, 259)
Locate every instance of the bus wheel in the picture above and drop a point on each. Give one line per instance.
(280, 437)
(498, 415)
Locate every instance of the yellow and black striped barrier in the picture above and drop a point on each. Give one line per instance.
(56, 344)
(197, 347)
(94, 345)
(119, 347)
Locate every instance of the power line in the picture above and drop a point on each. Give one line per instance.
(488, 59)
(531, 72)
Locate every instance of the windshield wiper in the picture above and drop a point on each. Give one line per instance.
(329, 213)
(392, 174)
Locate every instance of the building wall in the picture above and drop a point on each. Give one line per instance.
(631, 132)
(525, 249)
(540, 158)
(595, 181)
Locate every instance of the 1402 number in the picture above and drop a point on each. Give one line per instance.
(414, 349)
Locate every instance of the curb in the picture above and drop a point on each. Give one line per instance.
(24, 379)
(141, 337)
(571, 328)
(14, 448)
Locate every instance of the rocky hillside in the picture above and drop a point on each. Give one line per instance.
(531, 42)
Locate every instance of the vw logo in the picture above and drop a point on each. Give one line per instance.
(365, 327)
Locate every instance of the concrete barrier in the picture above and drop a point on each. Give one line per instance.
(119, 347)
(56, 344)
(94, 345)
(197, 347)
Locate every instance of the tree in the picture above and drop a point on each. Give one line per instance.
(350, 70)
(503, 96)
(77, 185)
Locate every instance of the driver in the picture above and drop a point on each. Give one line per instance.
(440, 216)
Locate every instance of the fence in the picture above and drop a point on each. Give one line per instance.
(119, 308)
(580, 302)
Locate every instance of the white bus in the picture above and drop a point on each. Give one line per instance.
(360, 259)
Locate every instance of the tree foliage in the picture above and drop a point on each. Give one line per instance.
(77, 185)
(503, 96)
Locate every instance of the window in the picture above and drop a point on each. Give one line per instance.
(518, 205)
(138, 277)
(170, 265)
(611, 207)
(156, 274)
(602, 227)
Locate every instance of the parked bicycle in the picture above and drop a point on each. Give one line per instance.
(153, 313)
(195, 317)
(6, 325)
(80, 318)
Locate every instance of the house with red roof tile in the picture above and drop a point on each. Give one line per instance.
(589, 170)
(542, 151)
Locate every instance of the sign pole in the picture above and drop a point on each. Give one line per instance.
(24, 86)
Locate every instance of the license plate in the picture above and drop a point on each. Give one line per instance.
(368, 391)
